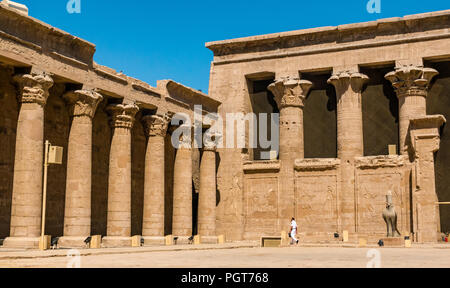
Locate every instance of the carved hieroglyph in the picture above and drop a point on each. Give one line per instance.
(317, 203)
(371, 200)
(261, 198)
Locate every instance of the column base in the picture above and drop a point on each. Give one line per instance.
(21, 242)
(116, 242)
(183, 240)
(72, 242)
(209, 240)
(394, 242)
(154, 240)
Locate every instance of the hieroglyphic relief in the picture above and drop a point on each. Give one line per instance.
(261, 200)
(316, 202)
(371, 200)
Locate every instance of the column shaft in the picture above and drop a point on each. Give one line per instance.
(154, 186)
(182, 190)
(29, 156)
(119, 187)
(290, 94)
(77, 215)
(348, 86)
(207, 195)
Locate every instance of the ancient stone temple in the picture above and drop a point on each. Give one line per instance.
(362, 111)
(120, 175)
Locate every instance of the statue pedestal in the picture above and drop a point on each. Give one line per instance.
(394, 242)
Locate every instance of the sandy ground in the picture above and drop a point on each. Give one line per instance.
(292, 257)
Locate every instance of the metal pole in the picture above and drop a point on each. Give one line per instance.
(44, 194)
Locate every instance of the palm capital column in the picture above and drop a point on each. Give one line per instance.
(348, 86)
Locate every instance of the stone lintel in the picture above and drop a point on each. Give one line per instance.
(252, 167)
(316, 164)
(51, 38)
(375, 162)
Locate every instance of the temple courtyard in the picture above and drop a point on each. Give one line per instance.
(237, 255)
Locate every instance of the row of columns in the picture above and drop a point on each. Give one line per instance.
(411, 84)
(27, 187)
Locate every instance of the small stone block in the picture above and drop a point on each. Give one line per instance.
(408, 243)
(394, 242)
(96, 242)
(271, 241)
(345, 236)
(136, 241)
(392, 150)
(221, 239)
(169, 240)
(45, 245)
(362, 242)
(197, 240)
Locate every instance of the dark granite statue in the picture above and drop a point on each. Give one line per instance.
(390, 217)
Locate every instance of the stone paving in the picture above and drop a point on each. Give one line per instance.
(240, 255)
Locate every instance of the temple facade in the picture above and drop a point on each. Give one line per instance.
(362, 111)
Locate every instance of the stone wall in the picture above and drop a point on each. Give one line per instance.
(439, 103)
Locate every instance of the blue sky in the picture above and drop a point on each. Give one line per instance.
(153, 40)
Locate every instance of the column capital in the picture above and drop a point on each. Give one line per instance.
(411, 80)
(83, 102)
(123, 115)
(156, 125)
(34, 87)
(210, 140)
(290, 92)
(345, 79)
